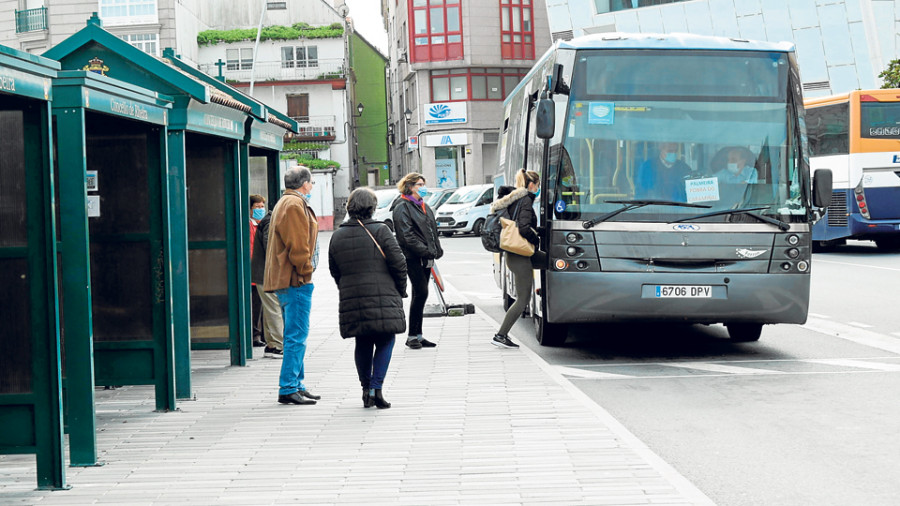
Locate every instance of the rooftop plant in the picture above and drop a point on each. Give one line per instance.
(275, 32)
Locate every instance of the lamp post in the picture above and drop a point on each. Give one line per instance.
(359, 108)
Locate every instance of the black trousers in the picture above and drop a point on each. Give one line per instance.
(418, 278)
(256, 314)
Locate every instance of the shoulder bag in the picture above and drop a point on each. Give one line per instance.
(510, 238)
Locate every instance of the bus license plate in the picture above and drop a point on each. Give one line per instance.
(684, 291)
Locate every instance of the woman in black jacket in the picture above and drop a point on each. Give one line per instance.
(417, 234)
(520, 204)
(370, 271)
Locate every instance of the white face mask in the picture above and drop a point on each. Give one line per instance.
(734, 168)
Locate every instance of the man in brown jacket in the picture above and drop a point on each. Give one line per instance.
(291, 258)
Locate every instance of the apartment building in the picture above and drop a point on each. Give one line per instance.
(842, 45)
(453, 62)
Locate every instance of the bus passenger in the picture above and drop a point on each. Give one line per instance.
(738, 169)
(662, 178)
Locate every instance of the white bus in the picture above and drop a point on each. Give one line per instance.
(675, 182)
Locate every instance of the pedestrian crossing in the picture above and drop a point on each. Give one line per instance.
(710, 369)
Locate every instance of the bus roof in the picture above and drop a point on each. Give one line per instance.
(880, 95)
(619, 40)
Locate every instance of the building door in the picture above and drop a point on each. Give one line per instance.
(298, 107)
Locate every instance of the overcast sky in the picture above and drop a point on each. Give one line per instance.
(366, 16)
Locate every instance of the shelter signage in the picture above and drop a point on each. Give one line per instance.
(266, 135)
(110, 104)
(20, 83)
(215, 119)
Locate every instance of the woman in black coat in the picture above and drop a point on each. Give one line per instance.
(417, 234)
(370, 271)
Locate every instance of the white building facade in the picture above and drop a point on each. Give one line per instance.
(842, 45)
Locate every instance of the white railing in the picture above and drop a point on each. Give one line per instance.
(315, 126)
(311, 70)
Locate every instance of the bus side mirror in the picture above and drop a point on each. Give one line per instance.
(546, 119)
(822, 187)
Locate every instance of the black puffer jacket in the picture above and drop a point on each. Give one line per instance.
(416, 230)
(258, 262)
(371, 287)
(521, 205)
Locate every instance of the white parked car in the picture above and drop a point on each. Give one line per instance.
(384, 209)
(466, 209)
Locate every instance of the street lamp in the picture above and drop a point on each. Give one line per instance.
(359, 108)
(408, 114)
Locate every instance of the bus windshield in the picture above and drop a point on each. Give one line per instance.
(710, 128)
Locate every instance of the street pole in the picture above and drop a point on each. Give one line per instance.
(262, 13)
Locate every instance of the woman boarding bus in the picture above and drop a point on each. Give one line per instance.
(676, 182)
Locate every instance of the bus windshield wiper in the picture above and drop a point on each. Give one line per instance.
(749, 211)
(634, 204)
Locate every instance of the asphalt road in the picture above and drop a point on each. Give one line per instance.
(807, 415)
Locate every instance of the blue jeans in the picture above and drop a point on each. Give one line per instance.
(296, 302)
(370, 367)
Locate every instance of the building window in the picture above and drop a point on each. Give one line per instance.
(128, 12)
(620, 5)
(516, 30)
(436, 30)
(239, 59)
(298, 107)
(146, 42)
(276, 6)
(474, 84)
(299, 57)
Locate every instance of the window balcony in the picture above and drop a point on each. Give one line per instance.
(31, 20)
(300, 70)
(313, 128)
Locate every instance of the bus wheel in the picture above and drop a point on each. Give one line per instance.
(744, 332)
(550, 334)
(888, 244)
(476, 228)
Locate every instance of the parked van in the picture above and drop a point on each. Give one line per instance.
(385, 206)
(465, 210)
(437, 198)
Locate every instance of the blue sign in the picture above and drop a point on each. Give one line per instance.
(601, 113)
(441, 114)
(560, 206)
(896, 158)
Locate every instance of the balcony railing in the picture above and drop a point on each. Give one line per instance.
(314, 128)
(311, 70)
(31, 20)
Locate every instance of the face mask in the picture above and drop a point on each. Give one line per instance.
(671, 157)
(422, 191)
(259, 213)
(537, 193)
(733, 168)
(307, 196)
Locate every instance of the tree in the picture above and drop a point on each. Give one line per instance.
(891, 75)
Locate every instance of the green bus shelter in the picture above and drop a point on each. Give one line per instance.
(31, 419)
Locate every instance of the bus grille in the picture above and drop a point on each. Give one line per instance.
(837, 209)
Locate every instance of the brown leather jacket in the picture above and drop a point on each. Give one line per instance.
(293, 231)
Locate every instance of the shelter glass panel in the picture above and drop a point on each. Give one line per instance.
(120, 160)
(205, 198)
(209, 295)
(13, 228)
(15, 336)
(121, 298)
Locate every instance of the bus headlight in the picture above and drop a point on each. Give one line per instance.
(793, 240)
(786, 266)
(792, 253)
(802, 266)
(571, 251)
(561, 265)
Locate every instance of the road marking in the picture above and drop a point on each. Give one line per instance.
(862, 364)
(895, 334)
(857, 265)
(706, 366)
(817, 315)
(585, 374)
(860, 325)
(854, 334)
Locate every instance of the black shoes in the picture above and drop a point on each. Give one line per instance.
(309, 395)
(294, 398)
(426, 343)
(503, 342)
(273, 353)
(414, 344)
(368, 400)
(379, 401)
(258, 344)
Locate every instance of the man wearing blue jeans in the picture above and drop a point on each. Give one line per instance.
(291, 258)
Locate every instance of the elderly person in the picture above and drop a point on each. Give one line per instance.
(370, 271)
(291, 258)
(417, 235)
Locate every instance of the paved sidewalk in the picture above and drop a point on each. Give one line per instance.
(470, 424)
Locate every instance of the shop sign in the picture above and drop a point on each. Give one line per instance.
(445, 113)
(446, 140)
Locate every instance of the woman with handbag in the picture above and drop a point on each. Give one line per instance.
(370, 271)
(519, 205)
(417, 234)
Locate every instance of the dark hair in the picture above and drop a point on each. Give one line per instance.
(296, 176)
(361, 203)
(256, 199)
(406, 184)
